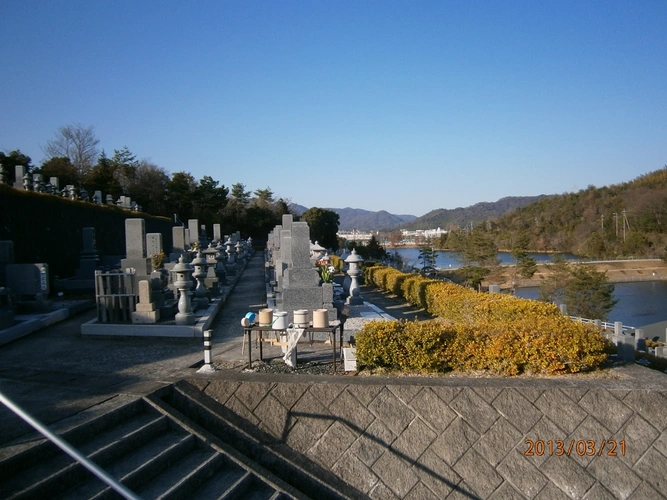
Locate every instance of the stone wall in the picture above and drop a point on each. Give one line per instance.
(451, 437)
(48, 228)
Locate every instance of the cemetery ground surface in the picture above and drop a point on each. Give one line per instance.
(390, 437)
(56, 373)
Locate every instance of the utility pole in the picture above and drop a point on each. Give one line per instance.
(602, 222)
(616, 220)
(625, 223)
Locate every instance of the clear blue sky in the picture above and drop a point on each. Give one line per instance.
(400, 106)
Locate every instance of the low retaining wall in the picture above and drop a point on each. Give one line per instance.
(570, 437)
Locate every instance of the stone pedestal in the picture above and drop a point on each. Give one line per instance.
(146, 311)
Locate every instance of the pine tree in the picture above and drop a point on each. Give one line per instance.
(589, 293)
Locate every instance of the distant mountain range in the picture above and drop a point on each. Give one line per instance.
(363, 220)
(366, 220)
(474, 214)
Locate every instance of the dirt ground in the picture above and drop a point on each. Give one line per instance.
(618, 271)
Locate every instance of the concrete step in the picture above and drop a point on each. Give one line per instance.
(55, 471)
(245, 439)
(137, 467)
(152, 452)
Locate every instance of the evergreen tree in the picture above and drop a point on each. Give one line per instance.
(11, 160)
(372, 250)
(323, 225)
(553, 286)
(588, 293)
(526, 266)
(427, 256)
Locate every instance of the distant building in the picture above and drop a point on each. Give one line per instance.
(358, 236)
(411, 237)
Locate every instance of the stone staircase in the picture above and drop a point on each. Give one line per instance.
(171, 444)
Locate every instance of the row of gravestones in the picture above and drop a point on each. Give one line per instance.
(210, 265)
(35, 182)
(27, 285)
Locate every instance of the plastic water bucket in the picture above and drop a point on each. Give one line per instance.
(279, 320)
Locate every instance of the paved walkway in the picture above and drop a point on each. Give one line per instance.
(58, 376)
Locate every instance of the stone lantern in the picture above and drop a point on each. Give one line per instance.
(27, 182)
(201, 268)
(239, 250)
(231, 257)
(220, 258)
(354, 261)
(183, 283)
(316, 252)
(212, 282)
(38, 183)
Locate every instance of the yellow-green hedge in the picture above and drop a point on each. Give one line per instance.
(400, 344)
(453, 302)
(548, 346)
(494, 332)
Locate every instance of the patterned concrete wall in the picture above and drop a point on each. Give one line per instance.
(470, 438)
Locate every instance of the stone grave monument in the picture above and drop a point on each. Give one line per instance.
(300, 286)
(84, 276)
(6, 257)
(135, 249)
(29, 285)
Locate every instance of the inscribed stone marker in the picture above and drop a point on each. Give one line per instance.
(135, 238)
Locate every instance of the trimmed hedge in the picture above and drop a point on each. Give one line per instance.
(548, 346)
(498, 333)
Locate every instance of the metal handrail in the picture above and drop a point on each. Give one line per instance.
(67, 448)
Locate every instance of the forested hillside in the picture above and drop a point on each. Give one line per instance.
(628, 219)
(466, 216)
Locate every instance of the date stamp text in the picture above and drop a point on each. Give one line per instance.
(581, 447)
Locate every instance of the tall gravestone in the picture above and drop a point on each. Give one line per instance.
(203, 238)
(20, 173)
(153, 244)
(178, 239)
(89, 258)
(193, 227)
(135, 248)
(216, 233)
(301, 287)
(6, 257)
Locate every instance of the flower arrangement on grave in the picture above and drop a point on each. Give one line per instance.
(157, 260)
(326, 274)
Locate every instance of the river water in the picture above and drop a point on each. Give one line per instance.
(639, 304)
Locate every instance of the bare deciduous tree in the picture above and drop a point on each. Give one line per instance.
(78, 143)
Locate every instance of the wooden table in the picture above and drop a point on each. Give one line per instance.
(331, 330)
